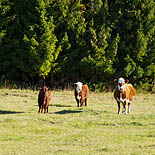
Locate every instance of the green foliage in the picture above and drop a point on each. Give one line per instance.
(31, 39)
(68, 40)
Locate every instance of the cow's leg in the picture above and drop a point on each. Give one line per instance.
(44, 108)
(47, 108)
(128, 107)
(85, 101)
(81, 102)
(77, 98)
(118, 107)
(82, 99)
(77, 102)
(124, 107)
(39, 109)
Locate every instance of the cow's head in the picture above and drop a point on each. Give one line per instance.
(78, 86)
(43, 90)
(121, 82)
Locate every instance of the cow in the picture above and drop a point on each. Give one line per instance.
(81, 93)
(44, 99)
(124, 94)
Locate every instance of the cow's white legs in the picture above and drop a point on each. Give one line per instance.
(124, 108)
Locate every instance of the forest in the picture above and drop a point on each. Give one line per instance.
(59, 42)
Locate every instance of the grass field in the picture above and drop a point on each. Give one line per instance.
(93, 130)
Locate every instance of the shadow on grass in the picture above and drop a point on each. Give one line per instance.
(68, 112)
(9, 112)
(58, 105)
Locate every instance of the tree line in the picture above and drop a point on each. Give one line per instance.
(63, 41)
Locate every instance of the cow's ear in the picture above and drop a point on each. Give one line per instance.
(115, 80)
(127, 81)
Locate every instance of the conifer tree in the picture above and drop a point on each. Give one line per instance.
(29, 47)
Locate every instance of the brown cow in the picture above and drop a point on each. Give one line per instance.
(124, 94)
(44, 99)
(81, 93)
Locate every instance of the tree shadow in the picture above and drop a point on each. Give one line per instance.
(9, 112)
(68, 111)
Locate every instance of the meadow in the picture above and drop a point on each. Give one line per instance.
(69, 130)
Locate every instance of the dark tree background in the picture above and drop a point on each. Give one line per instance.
(63, 41)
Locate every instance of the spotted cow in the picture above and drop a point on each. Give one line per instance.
(81, 93)
(124, 94)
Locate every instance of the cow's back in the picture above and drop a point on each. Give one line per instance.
(85, 90)
(130, 91)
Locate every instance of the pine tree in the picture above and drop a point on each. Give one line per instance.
(29, 47)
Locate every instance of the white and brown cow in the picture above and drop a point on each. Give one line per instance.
(124, 94)
(81, 93)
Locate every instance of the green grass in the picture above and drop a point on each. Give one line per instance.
(67, 129)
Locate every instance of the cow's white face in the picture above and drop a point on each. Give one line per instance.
(78, 86)
(121, 87)
(121, 83)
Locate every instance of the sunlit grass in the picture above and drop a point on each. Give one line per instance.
(67, 129)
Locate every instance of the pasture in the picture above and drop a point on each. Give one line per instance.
(68, 130)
